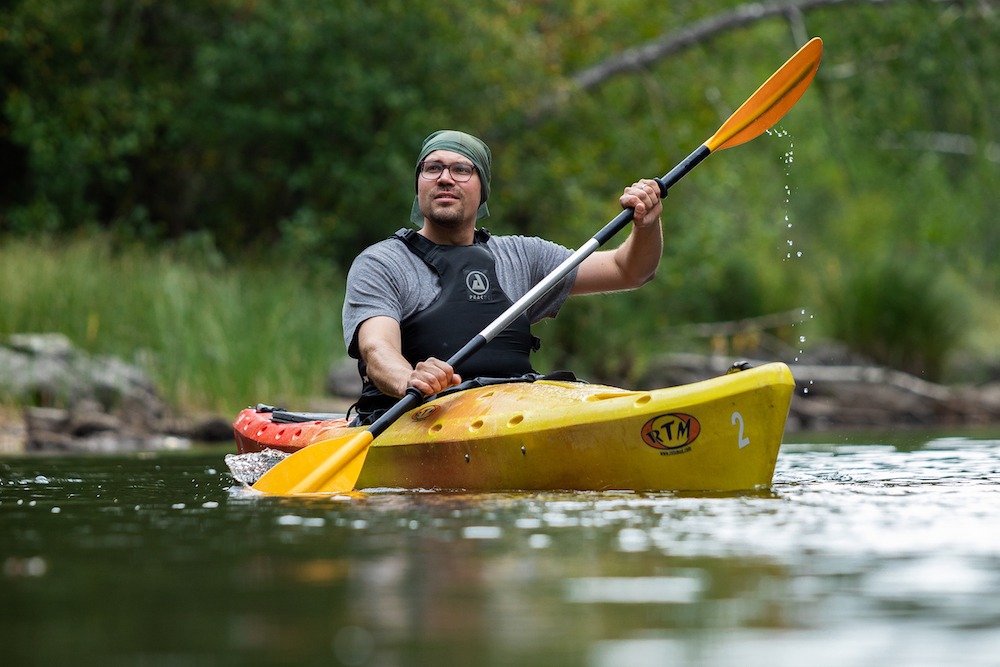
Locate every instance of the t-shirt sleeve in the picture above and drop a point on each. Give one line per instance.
(373, 288)
(532, 259)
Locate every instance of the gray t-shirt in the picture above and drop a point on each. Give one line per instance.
(387, 279)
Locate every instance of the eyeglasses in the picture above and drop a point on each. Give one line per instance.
(460, 171)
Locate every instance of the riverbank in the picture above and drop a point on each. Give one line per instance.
(56, 398)
(213, 334)
(827, 397)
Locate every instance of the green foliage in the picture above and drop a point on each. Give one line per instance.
(256, 121)
(212, 335)
(291, 128)
(899, 313)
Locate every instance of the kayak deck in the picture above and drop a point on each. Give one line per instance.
(722, 434)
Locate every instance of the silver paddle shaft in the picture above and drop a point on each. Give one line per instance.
(543, 286)
(539, 290)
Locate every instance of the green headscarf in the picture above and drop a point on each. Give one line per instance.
(463, 144)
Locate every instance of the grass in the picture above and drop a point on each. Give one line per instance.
(213, 336)
(901, 313)
(217, 336)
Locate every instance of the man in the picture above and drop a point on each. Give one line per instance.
(417, 297)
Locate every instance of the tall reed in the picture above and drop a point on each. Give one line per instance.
(212, 336)
(900, 312)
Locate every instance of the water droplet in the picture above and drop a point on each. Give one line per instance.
(799, 253)
(802, 339)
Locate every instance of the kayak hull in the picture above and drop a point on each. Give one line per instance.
(722, 434)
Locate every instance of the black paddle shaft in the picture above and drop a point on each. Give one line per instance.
(665, 183)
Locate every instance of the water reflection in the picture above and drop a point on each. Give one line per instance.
(881, 553)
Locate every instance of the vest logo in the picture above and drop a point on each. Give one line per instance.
(478, 285)
(672, 433)
(423, 413)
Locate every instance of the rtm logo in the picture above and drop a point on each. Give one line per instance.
(672, 431)
(425, 412)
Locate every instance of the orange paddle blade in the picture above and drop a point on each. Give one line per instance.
(331, 466)
(772, 100)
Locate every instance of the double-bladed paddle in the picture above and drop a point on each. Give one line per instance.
(333, 466)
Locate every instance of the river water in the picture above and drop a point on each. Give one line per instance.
(876, 549)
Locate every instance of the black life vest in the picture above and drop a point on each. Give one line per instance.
(470, 299)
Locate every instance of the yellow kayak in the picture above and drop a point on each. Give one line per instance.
(722, 434)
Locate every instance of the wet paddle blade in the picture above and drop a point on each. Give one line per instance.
(331, 466)
(772, 100)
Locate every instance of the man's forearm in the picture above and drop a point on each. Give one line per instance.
(639, 256)
(387, 369)
(380, 348)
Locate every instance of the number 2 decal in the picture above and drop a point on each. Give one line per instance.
(743, 442)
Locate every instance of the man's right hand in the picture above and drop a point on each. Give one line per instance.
(379, 342)
(433, 376)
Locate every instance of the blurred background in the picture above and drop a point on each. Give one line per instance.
(184, 183)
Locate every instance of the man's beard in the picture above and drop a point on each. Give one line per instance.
(449, 217)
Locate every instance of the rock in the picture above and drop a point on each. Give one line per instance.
(45, 370)
(200, 429)
(42, 345)
(117, 384)
(212, 429)
(46, 419)
(88, 404)
(45, 381)
(50, 442)
(47, 428)
(88, 423)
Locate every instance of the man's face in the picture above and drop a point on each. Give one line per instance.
(445, 201)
